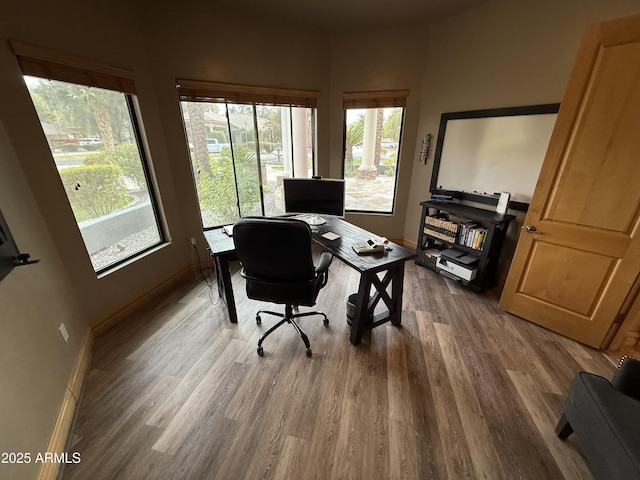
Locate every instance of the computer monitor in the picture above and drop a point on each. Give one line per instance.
(315, 196)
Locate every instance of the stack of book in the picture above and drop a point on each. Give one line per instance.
(472, 235)
(441, 228)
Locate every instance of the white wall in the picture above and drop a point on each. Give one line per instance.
(369, 60)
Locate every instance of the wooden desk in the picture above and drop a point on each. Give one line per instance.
(390, 263)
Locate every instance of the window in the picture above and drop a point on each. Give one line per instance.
(243, 140)
(372, 134)
(88, 115)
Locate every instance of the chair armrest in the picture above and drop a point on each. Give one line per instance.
(325, 261)
(626, 378)
(322, 269)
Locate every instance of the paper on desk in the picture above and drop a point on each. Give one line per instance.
(330, 236)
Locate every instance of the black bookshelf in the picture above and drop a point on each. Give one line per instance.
(451, 214)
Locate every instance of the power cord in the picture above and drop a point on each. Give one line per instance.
(211, 275)
(208, 273)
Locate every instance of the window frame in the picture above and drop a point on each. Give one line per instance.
(370, 100)
(49, 64)
(253, 95)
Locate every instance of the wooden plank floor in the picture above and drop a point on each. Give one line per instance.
(461, 390)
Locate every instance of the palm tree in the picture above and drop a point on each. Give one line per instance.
(97, 101)
(354, 137)
(379, 123)
(198, 137)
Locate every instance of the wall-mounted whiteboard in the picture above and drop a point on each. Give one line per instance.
(483, 152)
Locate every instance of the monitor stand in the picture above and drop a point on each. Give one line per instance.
(314, 220)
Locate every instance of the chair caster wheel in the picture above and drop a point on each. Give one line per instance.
(325, 321)
(258, 319)
(309, 352)
(260, 351)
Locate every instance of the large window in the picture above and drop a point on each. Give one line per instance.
(89, 117)
(372, 134)
(242, 141)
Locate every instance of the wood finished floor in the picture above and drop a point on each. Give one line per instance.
(461, 390)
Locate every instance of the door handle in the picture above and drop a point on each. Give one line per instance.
(532, 229)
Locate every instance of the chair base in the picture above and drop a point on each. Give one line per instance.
(288, 317)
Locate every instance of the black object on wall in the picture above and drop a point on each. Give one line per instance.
(10, 256)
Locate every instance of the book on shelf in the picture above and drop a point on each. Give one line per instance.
(465, 228)
(472, 235)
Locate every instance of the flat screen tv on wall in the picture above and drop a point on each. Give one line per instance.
(481, 153)
(8, 249)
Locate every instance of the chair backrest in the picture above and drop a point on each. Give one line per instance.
(274, 250)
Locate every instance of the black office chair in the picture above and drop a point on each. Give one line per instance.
(278, 267)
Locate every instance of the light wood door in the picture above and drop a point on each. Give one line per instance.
(579, 252)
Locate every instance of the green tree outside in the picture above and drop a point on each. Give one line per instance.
(217, 191)
(354, 137)
(95, 190)
(127, 157)
(391, 127)
(97, 112)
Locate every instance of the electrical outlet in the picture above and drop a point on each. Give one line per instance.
(63, 332)
(193, 241)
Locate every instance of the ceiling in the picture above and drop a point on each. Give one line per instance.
(332, 14)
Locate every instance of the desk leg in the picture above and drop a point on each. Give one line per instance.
(396, 294)
(363, 318)
(225, 287)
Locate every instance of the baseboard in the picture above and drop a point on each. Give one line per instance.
(628, 344)
(409, 244)
(200, 266)
(112, 320)
(62, 427)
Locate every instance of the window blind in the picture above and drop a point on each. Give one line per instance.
(379, 99)
(55, 65)
(199, 91)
